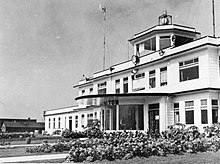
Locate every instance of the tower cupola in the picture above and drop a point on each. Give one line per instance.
(162, 36)
(165, 19)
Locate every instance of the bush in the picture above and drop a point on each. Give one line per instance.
(28, 140)
(126, 145)
(14, 135)
(67, 134)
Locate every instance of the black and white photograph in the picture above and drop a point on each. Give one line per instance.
(110, 81)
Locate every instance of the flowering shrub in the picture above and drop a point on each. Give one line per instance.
(125, 145)
(46, 147)
(68, 134)
(93, 131)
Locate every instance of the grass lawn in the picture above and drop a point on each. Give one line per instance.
(36, 140)
(20, 151)
(207, 157)
(199, 158)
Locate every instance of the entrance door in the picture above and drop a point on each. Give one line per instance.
(154, 122)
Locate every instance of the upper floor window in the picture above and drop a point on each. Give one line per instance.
(91, 90)
(83, 92)
(125, 84)
(189, 107)
(137, 48)
(102, 88)
(138, 76)
(165, 42)
(163, 76)
(117, 86)
(189, 69)
(150, 44)
(152, 79)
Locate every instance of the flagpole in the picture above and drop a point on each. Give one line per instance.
(104, 22)
(213, 16)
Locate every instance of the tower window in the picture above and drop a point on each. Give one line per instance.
(165, 42)
(150, 44)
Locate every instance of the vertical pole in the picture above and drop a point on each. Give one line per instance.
(104, 21)
(213, 15)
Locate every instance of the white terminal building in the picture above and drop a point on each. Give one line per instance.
(174, 77)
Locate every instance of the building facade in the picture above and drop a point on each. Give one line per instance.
(173, 77)
(21, 125)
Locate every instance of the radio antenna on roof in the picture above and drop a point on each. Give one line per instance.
(104, 21)
(213, 16)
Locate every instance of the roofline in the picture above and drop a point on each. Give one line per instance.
(134, 38)
(122, 95)
(196, 90)
(62, 112)
(163, 25)
(144, 94)
(60, 108)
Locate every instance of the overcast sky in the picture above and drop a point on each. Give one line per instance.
(47, 45)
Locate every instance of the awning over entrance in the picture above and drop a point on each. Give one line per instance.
(113, 99)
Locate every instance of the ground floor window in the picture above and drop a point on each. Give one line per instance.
(190, 117)
(59, 122)
(189, 107)
(204, 111)
(54, 122)
(176, 113)
(131, 117)
(70, 123)
(76, 121)
(214, 111)
(49, 124)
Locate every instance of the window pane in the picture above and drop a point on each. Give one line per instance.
(176, 105)
(190, 117)
(150, 44)
(165, 42)
(102, 91)
(189, 104)
(152, 82)
(214, 115)
(126, 88)
(204, 102)
(214, 102)
(176, 116)
(204, 116)
(189, 73)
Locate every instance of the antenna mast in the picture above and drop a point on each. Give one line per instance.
(213, 14)
(104, 21)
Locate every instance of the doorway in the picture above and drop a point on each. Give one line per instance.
(154, 117)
